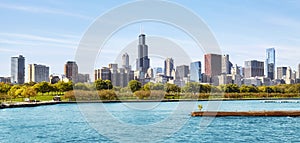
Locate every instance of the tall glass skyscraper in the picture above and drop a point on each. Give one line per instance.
(143, 62)
(270, 63)
(17, 70)
(195, 72)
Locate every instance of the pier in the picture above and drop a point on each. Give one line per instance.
(246, 113)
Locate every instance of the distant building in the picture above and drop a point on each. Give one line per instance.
(149, 74)
(157, 70)
(270, 63)
(226, 65)
(225, 79)
(71, 71)
(213, 66)
(18, 69)
(83, 78)
(236, 70)
(38, 73)
(169, 66)
(195, 72)
(103, 73)
(118, 76)
(125, 61)
(252, 81)
(298, 71)
(182, 72)
(254, 68)
(5, 79)
(54, 79)
(142, 62)
(281, 72)
(288, 78)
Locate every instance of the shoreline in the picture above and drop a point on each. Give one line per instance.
(43, 103)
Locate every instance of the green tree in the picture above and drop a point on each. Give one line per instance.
(205, 88)
(80, 86)
(28, 92)
(248, 89)
(64, 86)
(4, 87)
(158, 86)
(231, 88)
(148, 86)
(192, 87)
(43, 87)
(103, 84)
(169, 88)
(134, 85)
(12, 92)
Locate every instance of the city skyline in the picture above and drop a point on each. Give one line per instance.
(276, 28)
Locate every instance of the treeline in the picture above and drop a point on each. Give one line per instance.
(106, 91)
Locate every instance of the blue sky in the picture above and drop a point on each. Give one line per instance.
(48, 32)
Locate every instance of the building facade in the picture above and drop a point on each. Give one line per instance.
(195, 72)
(281, 72)
(71, 70)
(125, 61)
(270, 63)
(38, 73)
(169, 66)
(253, 68)
(182, 72)
(18, 70)
(5, 79)
(226, 65)
(213, 65)
(143, 62)
(103, 73)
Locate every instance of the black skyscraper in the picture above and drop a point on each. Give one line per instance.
(143, 62)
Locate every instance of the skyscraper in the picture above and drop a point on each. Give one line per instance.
(253, 68)
(195, 72)
(103, 73)
(298, 71)
(270, 63)
(226, 65)
(182, 72)
(125, 61)
(143, 62)
(18, 69)
(213, 65)
(38, 73)
(71, 70)
(169, 66)
(281, 72)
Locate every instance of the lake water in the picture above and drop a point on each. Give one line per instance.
(147, 122)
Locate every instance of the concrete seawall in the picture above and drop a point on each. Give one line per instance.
(248, 113)
(27, 104)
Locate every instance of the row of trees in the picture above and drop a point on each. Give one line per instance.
(194, 87)
(137, 89)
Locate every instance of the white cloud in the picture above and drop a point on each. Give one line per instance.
(43, 10)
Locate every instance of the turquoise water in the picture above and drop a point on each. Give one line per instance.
(70, 123)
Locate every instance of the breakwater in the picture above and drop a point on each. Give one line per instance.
(246, 113)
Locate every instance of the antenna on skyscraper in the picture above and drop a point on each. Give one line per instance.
(141, 29)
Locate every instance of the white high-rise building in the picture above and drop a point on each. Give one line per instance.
(169, 66)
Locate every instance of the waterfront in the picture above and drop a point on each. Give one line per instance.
(65, 123)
